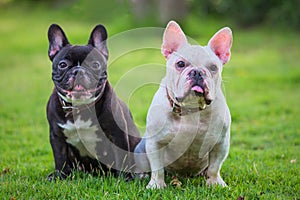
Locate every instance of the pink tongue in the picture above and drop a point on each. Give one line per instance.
(78, 87)
(197, 89)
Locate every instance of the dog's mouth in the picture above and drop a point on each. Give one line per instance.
(198, 91)
(196, 96)
(79, 91)
(79, 94)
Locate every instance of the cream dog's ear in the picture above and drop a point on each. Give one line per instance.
(221, 43)
(173, 38)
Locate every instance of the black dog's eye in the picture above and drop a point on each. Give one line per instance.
(180, 64)
(62, 65)
(96, 65)
(213, 68)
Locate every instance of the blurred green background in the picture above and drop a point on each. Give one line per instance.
(261, 82)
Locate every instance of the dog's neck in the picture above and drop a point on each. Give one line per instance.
(179, 110)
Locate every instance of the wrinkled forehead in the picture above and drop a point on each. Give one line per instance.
(196, 54)
(79, 54)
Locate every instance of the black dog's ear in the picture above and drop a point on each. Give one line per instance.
(98, 39)
(57, 40)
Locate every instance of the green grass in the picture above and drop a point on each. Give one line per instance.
(261, 81)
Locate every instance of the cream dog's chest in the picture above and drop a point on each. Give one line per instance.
(188, 143)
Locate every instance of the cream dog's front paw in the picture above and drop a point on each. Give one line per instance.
(215, 181)
(156, 184)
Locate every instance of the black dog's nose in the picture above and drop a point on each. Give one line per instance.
(80, 77)
(79, 71)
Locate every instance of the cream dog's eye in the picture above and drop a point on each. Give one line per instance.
(213, 68)
(180, 64)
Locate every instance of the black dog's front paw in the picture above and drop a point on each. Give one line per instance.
(57, 175)
(127, 176)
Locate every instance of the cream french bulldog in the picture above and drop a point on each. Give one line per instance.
(188, 122)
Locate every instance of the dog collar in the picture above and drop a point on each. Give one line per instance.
(179, 110)
(69, 109)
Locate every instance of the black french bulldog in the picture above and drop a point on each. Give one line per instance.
(90, 128)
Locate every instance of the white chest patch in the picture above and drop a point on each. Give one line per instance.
(82, 135)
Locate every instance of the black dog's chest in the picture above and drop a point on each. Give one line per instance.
(83, 134)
